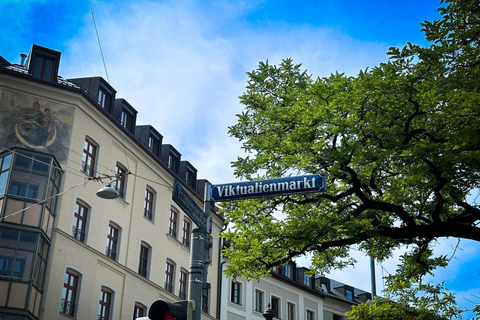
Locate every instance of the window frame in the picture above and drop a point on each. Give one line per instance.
(173, 222)
(113, 237)
(139, 310)
(105, 304)
(148, 207)
(80, 233)
(186, 232)
(169, 276)
(89, 169)
(143, 259)
(183, 284)
(121, 179)
(309, 315)
(276, 303)
(258, 300)
(236, 292)
(290, 311)
(70, 293)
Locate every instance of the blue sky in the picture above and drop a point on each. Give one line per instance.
(183, 64)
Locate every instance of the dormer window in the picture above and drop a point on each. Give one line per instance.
(126, 118)
(190, 177)
(153, 143)
(173, 161)
(43, 63)
(104, 98)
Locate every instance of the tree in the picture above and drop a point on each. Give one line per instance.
(399, 144)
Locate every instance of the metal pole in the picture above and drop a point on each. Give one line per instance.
(372, 273)
(196, 271)
(198, 252)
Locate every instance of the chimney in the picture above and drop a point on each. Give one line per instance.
(23, 56)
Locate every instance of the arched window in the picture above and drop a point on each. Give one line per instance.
(89, 156)
(105, 304)
(144, 259)
(70, 293)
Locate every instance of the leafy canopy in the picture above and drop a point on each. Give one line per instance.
(399, 144)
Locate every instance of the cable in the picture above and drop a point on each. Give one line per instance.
(98, 40)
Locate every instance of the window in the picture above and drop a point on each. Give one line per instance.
(173, 161)
(148, 207)
(324, 287)
(236, 292)
(258, 300)
(172, 225)
(104, 98)
(126, 118)
(143, 260)
(186, 232)
(288, 271)
(121, 177)
(206, 300)
(69, 293)
(80, 222)
(43, 68)
(210, 248)
(169, 273)
(153, 143)
(105, 304)
(276, 307)
(89, 157)
(349, 294)
(5, 163)
(306, 279)
(310, 315)
(112, 242)
(139, 311)
(290, 311)
(337, 317)
(182, 284)
(29, 176)
(190, 177)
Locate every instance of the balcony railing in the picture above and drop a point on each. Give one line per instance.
(67, 307)
(78, 234)
(186, 242)
(148, 214)
(142, 271)
(168, 287)
(183, 294)
(111, 253)
(87, 169)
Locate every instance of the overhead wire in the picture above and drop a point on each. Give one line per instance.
(98, 39)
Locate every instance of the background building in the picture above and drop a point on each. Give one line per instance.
(292, 293)
(65, 252)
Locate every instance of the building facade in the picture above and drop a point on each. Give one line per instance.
(66, 253)
(292, 294)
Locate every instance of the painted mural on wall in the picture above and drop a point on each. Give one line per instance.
(30, 122)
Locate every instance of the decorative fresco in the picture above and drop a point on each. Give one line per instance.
(39, 124)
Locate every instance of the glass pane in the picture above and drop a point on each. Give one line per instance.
(6, 262)
(13, 211)
(27, 240)
(32, 216)
(22, 161)
(3, 293)
(23, 265)
(41, 165)
(47, 72)
(8, 237)
(6, 162)
(37, 186)
(19, 183)
(3, 182)
(18, 295)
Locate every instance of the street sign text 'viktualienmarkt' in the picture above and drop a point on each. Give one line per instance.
(268, 188)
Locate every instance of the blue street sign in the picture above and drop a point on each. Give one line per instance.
(191, 208)
(268, 188)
